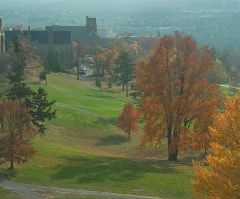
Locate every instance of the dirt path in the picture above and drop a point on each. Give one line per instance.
(30, 191)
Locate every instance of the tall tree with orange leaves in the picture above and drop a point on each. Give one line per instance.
(174, 90)
(221, 177)
(129, 118)
(16, 132)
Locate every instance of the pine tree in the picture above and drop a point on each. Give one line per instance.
(18, 89)
(40, 109)
(125, 70)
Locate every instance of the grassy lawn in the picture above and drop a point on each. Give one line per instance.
(83, 149)
(225, 91)
(69, 196)
(4, 194)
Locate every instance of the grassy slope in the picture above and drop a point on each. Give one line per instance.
(7, 195)
(82, 149)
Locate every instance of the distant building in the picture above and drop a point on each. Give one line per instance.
(83, 34)
(55, 40)
(106, 32)
(2, 38)
(54, 43)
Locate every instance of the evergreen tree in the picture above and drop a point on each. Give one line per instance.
(124, 70)
(40, 109)
(37, 103)
(18, 89)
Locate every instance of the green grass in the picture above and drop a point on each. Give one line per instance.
(83, 149)
(69, 196)
(4, 194)
(228, 92)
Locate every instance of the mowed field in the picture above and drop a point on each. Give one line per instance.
(82, 148)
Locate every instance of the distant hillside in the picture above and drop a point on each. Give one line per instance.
(209, 21)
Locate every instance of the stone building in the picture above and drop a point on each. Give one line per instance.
(83, 34)
(2, 38)
(55, 43)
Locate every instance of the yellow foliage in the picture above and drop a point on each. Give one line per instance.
(221, 178)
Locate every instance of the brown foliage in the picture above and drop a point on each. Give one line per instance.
(128, 120)
(220, 179)
(15, 133)
(175, 91)
(81, 58)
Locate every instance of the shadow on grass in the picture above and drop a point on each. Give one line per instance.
(6, 172)
(103, 121)
(99, 169)
(112, 140)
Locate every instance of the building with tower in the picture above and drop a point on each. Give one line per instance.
(55, 41)
(83, 34)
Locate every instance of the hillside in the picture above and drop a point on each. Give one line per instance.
(83, 149)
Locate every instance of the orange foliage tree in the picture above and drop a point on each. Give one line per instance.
(128, 120)
(15, 133)
(174, 90)
(221, 178)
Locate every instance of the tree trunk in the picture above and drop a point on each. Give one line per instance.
(129, 134)
(173, 156)
(172, 145)
(46, 81)
(127, 89)
(77, 72)
(11, 164)
(205, 152)
(1, 124)
(123, 86)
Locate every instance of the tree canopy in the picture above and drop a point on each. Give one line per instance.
(175, 92)
(220, 178)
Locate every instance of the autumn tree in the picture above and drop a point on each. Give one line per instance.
(218, 74)
(16, 133)
(128, 120)
(218, 176)
(110, 58)
(100, 63)
(134, 51)
(80, 57)
(36, 101)
(119, 44)
(174, 90)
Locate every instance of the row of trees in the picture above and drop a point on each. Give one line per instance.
(23, 111)
(113, 63)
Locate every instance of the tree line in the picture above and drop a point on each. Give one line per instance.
(23, 111)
